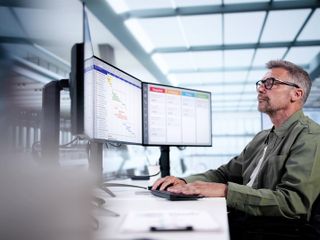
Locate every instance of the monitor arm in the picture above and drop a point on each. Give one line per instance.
(50, 124)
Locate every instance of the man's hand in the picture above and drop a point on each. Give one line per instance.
(168, 181)
(205, 189)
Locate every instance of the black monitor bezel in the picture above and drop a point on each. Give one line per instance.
(180, 88)
(99, 140)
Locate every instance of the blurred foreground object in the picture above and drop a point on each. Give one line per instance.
(38, 203)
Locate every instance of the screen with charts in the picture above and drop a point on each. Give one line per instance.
(112, 103)
(176, 116)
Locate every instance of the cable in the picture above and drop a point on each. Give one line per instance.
(69, 143)
(153, 175)
(38, 143)
(133, 177)
(116, 145)
(122, 185)
(143, 177)
(181, 148)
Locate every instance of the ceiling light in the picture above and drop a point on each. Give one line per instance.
(138, 32)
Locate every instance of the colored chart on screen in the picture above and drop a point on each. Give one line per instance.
(176, 116)
(114, 102)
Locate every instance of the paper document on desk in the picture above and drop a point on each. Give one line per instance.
(143, 221)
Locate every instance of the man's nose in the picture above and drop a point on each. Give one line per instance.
(261, 88)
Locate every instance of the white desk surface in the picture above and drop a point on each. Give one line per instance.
(128, 199)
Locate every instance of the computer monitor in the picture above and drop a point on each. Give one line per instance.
(176, 116)
(79, 53)
(112, 104)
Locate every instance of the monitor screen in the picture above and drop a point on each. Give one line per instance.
(112, 103)
(176, 116)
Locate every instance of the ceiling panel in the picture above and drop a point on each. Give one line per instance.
(120, 6)
(256, 75)
(312, 30)
(224, 105)
(247, 104)
(229, 89)
(234, 96)
(249, 87)
(202, 30)
(190, 3)
(71, 22)
(136, 29)
(235, 76)
(302, 55)
(173, 61)
(283, 25)
(166, 34)
(244, 1)
(226, 90)
(238, 58)
(210, 59)
(197, 78)
(266, 54)
(236, 27)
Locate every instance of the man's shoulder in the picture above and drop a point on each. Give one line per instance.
(312, 126)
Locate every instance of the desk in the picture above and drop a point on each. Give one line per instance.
(128, 199)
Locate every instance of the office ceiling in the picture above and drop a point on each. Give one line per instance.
(214, 45)
(220, 46)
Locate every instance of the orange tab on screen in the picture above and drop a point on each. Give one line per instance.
(174, 92)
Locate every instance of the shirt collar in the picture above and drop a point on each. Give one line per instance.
(285, 126)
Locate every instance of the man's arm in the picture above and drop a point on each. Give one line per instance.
(230, 172)
(297, 189)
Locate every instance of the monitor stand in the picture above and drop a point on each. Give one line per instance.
(50, 129)
(96, 164)
(164, 161)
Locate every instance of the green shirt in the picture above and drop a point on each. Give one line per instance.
(288, 181)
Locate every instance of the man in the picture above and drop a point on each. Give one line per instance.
(278, 172)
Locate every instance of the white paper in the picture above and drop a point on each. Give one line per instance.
(142, 221)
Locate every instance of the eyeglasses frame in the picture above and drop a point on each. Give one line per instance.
(274, 80)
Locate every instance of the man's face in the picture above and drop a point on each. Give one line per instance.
(278, 97)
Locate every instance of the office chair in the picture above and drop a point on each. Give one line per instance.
(247, 227)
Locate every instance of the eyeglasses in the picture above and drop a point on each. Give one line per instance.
(269, 82)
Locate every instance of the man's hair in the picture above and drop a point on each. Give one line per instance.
(296, 73)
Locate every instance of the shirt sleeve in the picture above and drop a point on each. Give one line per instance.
(232, 171)
(296, 191)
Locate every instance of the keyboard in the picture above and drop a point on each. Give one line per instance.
(174, 196)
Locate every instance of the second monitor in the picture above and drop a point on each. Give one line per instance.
(175, 116)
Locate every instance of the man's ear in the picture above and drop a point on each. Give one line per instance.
(297, 95)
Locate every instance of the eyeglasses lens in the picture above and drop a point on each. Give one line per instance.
(268, 83)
